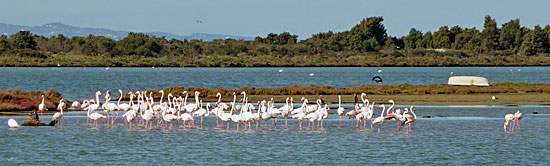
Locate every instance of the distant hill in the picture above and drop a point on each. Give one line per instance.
(53, 29)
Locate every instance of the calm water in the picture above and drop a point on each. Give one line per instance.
(455, 136)
(81, 83)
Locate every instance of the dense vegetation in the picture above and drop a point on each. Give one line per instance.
(365, 44)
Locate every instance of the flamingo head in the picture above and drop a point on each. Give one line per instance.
(96, 93)
(243, 93)
(218, 94)
(302, 99)
(161, 91)
(197, 93)
(42, 96)
(381, 106)
(120, 90)
(390, 101)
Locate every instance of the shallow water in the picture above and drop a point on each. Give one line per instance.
(454, 136)
(80, 83)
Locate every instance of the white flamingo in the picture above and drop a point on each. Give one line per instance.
(517, 117)
(380, 120)
(340, 109)
(95, 116)
(125, 106)
(408, 119)
(509, 118)
(59, 115)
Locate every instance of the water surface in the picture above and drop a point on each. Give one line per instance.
(455, 136)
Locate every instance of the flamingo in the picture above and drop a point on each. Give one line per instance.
(508, 118)
(161, 107)
(75, 105)
(265, 115)
(110, 107)
(123, 107)
(300, 113)
(285, 110)
(226, 117)
(351, 114)
(170, 118)
(41, 106)
(340, 109)
(13, 124)
(397, 116)
(130, 116)
(247, 115)
(408, 119)
(202, 112)
(192, 107)
(517, 117)
(380, 120)
(95, 116)
(312, 117)
(59, 116)
(274, 112)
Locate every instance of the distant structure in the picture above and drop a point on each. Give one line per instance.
(468, 81)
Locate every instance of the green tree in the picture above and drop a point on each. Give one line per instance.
(368, 29)
(462, 39)
(508, 33)
(536, 41)
(455, 30)
(490, 34)
(426, 41)
(23, 40)
(441, 38)
(413, 39)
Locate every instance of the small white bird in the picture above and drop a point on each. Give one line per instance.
(494, 98)
(280, 70)
(13, 124)
(311, 74)
(380, 70)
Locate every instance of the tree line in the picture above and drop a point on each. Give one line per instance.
(367, 38)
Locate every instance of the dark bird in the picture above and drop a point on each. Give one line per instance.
(355, 101)
(377, 79)
(321, 98)
(198, 21)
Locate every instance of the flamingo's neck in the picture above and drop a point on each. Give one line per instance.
(120, 98)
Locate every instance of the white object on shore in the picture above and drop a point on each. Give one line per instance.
(13, 124)
(468, 80)
(311, 74)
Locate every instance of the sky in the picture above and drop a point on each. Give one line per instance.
(260, 17)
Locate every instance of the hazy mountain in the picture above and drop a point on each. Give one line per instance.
(53, 29)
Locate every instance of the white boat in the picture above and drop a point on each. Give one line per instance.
(468, 80)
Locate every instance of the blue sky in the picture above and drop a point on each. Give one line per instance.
(260, 17)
